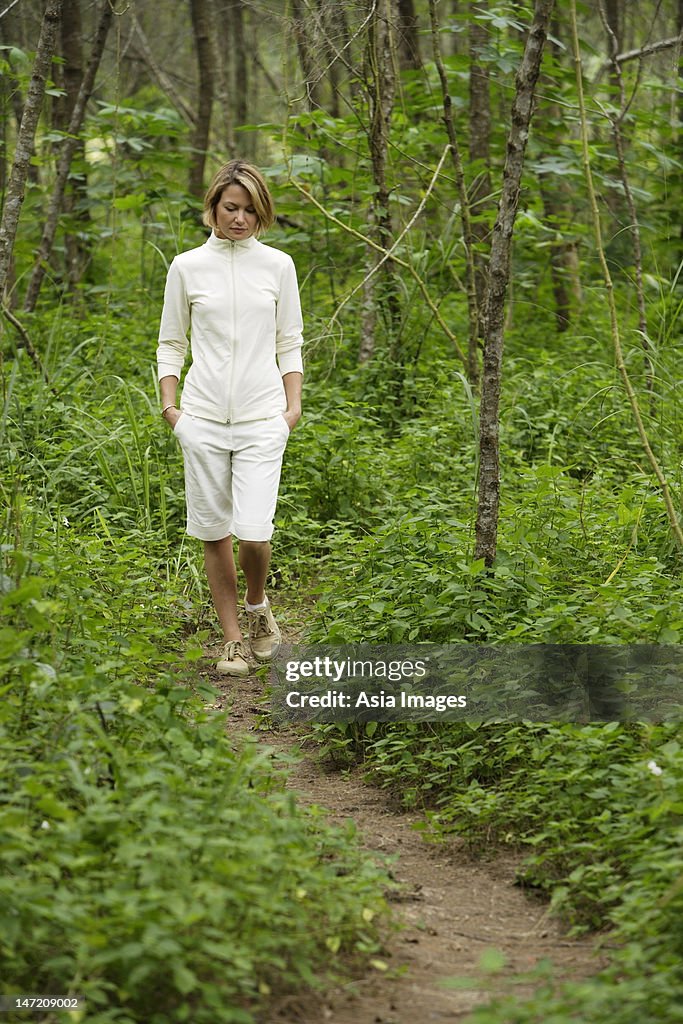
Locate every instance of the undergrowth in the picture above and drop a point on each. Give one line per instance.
(585, 556)
(144, 859)
(147, 861)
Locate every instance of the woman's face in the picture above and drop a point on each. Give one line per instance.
(235, 216)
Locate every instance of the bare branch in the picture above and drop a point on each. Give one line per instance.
(643, 51)
(159, 75)
(8, 9)
(339, 54)
(28, 345)
(391, 255)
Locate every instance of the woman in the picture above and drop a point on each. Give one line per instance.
(241, 396)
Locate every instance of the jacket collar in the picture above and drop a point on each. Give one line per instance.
(227, 245)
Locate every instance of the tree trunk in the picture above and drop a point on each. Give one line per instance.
(5, 87)
(479, 149)
(613, 15)
(202, 29)
(573, 263)
(69, 147)
(499, 274)
(453, 46)
(306, 49)
(14, 196)
(11, 120)
(368, 318)
(224, 66)
(552, 215)
(76, 193)
(382, 85)
(408, 37)
(241, 66)
(336, 33)
(678, 108)
(473, 306)
(617, 123)
(71, 71)
(613, 200)
(18, 27)
(670, 503)
(254, 36)
(382, 106)
(557, 199)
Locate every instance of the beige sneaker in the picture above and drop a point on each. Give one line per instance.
(234, 660)
(264, 633)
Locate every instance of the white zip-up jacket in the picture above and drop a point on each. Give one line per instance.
(240, 301)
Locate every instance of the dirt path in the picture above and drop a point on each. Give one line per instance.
(451, 908)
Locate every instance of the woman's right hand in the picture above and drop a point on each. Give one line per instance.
(172, 416)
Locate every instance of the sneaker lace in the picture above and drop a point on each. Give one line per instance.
(259, 626)
(233, 649)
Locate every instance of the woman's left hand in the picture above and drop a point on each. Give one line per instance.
(292, 417)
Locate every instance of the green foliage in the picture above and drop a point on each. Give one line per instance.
(584, 548)
(584, 556)
(146, 863)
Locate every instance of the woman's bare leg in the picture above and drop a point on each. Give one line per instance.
(254, 558)
(222, 576)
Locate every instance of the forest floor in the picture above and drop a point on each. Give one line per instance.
(450, 908)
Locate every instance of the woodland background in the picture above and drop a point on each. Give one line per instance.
(440, 488)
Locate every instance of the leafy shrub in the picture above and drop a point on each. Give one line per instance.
(146, 863)
(584, 550)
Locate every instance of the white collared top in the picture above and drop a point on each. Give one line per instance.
(240, 302)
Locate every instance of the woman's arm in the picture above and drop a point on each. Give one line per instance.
(289, 324)
(168, 386)
(175, 321)
(292, 382)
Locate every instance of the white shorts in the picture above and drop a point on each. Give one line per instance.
(232, 475)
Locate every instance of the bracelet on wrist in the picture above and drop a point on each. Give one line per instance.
(166, 408)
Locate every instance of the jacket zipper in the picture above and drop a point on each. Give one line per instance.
(234, 330)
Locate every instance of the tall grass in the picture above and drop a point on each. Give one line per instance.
(147, 861)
